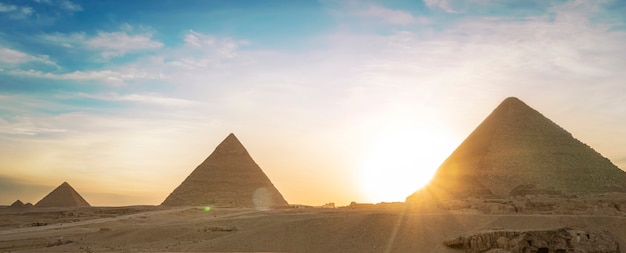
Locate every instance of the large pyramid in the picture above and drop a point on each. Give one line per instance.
(518, 151)
(228, 178)
(62, 196)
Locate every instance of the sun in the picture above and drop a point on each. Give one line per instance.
(400, 162)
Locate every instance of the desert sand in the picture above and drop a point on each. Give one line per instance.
(381, 228)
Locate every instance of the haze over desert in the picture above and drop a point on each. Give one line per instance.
(312, 126)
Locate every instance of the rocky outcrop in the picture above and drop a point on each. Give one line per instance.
(531, 189)
(613, 204)
(536, 241)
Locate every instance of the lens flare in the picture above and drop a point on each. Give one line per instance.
(262, 199)
(207, 208)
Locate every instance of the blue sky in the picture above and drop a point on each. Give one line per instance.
(124, 98)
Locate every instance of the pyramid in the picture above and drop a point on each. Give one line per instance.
(17, 204)
(228, 178)
(62, 196)
(518, 151)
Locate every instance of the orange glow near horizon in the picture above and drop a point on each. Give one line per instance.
(400, 163)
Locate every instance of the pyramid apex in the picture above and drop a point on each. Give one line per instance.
(513, 106)
(512, 99)
(231, 144)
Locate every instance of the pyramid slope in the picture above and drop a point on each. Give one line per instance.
(17, 204)
(228, 177)
(516, 150)
(63, 196)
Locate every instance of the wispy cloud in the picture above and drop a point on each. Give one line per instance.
(66, 40)
(66, 5)
(203, 51)
(441, 4)
(225, 47)
(109, 44)
(154, 99)
(25, 125)
(27, 11)
(105, 76)
(70, 6)
(7, 7)
(14, 57)
(390, 16)
(22, 114)
(16, 12)
(117, 44)
(373, 14)
(199, 53)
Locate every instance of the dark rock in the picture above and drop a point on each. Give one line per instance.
(536, 241)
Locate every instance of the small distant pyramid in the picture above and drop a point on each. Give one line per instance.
(17, 204)
(62, 196)
(518, 151)
(228, 178)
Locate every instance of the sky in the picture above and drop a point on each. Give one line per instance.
(337, 101)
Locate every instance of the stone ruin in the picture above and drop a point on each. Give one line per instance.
(563, 240)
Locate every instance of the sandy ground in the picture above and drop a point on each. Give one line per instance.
(192, 229)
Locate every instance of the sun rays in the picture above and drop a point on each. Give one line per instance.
(396, 164)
